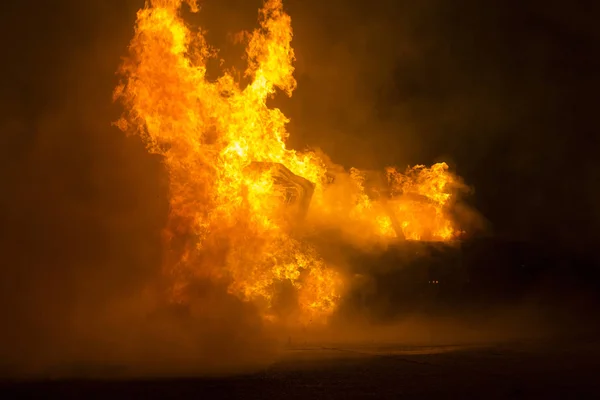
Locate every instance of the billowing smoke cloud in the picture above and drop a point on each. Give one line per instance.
(503, 94)
(379, 83)
(83, 207)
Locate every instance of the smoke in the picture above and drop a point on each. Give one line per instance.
(383, 83)
(82, 211)
(421, 294)
(503, 94)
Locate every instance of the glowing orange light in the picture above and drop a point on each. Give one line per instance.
(227, 221)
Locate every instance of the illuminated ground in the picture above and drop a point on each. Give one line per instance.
(517, 370)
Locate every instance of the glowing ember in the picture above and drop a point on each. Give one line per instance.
(228, 221)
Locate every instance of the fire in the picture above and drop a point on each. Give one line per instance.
(227, 220)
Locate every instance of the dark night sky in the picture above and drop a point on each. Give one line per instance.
(504, 91)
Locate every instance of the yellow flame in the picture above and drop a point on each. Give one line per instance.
(227, 222)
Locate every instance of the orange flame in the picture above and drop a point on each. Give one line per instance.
(226, 221)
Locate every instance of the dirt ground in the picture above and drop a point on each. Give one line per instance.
(548, 369)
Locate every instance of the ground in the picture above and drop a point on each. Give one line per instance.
(541, 369)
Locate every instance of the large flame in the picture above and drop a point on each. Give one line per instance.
(227, 221)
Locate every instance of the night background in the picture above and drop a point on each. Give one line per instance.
(505, 92)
